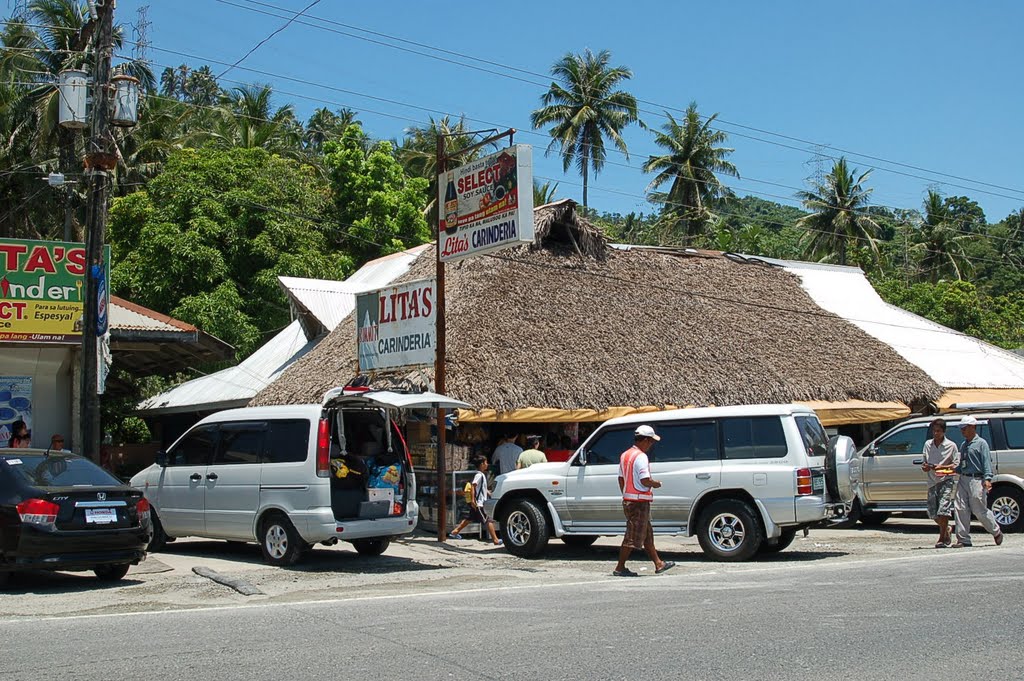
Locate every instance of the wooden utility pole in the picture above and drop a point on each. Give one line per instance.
(100, 160)
(439, 372)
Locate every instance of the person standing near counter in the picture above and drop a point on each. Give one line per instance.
(506, 454)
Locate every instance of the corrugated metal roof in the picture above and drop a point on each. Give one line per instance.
(235, 385)
(129, 316)
(332, 301)
(951, 358)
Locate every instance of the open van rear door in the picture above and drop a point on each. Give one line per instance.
(337, 397)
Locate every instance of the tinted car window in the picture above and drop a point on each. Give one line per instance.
(756, 437)
(609, 445)
(1014, 433)
(240, 443)
(911, 440)
(195, 449)
(286, 441)
(813, 434)
(692, 441)
(58, 471)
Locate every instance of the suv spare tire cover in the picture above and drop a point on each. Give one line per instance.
(838, 461)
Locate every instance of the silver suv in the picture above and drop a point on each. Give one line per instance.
(886, 475)
(743, 479)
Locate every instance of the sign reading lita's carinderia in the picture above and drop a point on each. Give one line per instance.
(395, 326)
(487, 205)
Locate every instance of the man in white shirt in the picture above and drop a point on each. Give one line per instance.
(941, 456)
(506, 454)
(637, 489)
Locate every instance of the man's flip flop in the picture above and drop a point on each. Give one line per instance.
(624, 573)
(664, 568)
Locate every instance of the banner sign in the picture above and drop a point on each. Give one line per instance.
(395, 326)
(42, 286)
(15, 405)
(487, 205)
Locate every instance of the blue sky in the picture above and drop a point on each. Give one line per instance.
(929, 84)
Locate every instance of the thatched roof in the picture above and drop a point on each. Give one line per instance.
(593, 327)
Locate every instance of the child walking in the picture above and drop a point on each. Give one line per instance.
(475, 513)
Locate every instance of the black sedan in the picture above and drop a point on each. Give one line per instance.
(60, 511)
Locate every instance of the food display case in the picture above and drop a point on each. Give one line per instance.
(426, 496)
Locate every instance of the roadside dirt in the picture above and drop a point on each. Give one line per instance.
(417, 564)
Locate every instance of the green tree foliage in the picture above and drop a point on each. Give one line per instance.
(207, 239)
(544, 193)
(690, 168)
(584, 106)
(939, 243)
(838, 220)
(378, 209)
(961, 306)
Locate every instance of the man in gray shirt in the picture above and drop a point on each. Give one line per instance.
(975, 471)
(506, 454)
(941, 456)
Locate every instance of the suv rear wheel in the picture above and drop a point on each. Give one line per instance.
(730, 531)
(524, 528)
(1006, 502)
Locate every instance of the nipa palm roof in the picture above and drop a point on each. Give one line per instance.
(570, 323)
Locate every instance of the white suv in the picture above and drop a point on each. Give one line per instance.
(743, 479)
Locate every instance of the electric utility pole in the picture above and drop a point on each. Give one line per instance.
(100, 160)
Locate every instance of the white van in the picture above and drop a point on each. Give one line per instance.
(289, 477)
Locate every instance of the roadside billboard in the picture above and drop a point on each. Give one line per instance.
(395, 326)
(486, 205)
(42, 287)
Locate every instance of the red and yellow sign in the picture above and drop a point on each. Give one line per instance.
(42, 286)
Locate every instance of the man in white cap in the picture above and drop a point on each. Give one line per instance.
(637, 489)
(975, 471)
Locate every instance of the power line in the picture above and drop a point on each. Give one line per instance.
(643, 101)
(264, 41)
(476, 120)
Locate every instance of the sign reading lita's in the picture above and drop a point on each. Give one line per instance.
(395, 326)
(487, 205)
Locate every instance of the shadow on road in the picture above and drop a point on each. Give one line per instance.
(689, 554)
(319, 559)
(43, 582)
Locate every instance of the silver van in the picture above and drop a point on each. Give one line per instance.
(289, 477)
(742, 479)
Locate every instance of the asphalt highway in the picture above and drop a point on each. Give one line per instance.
(941, 614)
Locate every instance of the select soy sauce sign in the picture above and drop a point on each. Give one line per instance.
(395, 326)
(487, 205)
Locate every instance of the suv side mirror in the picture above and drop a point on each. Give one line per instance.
(582, 457)
(871, 451)
(161, 458)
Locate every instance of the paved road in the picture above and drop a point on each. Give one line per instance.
(872, 619)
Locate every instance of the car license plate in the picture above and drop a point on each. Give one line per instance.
(818, 484)
(100, 516)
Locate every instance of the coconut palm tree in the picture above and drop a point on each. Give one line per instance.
(249, 121)
(544, 194)
(690, 168)
(837, 215)
(584, 106)
(325, 125)
(938, 243)
(418, 154)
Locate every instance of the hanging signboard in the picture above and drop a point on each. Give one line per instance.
(395, 326)
(42, 287)
(487, 205)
